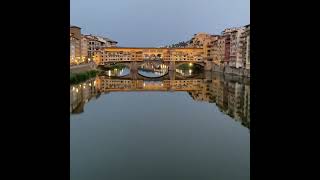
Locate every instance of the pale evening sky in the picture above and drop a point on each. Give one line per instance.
(152, 23)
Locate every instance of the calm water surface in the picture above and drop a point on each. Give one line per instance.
(173, 127)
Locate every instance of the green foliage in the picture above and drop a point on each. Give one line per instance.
(76, 78)
(184, 67)
(182, 44)
(116, 66)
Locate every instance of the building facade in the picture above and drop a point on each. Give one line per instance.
(205, 41)
(78, 43)
(234, 46)
(84, 49)
(236, 59)
(237, 47)
(75, 39)
(218, 51)
(245, 38)
(125, 54)
(72, 52)
(95, 43)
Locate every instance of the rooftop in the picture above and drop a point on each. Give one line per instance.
(109, 40)
(75, 27)
(98, 38)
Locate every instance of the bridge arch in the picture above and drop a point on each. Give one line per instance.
(153, 68)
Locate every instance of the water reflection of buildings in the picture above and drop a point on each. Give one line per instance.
(82, 93)
(231, 94)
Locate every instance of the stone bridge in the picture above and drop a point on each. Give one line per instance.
(134, 57)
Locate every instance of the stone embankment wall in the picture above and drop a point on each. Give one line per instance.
(230, 70)
(82, 68)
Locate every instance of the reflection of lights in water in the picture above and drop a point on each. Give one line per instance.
(109, 73)
(94, 83)
(84, 87)
(90, 84)
(73, 88)
(144, 84)
(77, 90)
(190, 71)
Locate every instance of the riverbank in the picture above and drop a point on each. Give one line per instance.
(82, 76)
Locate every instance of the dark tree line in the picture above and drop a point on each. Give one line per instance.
(179, 44)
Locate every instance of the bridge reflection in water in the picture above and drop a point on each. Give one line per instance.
(231, 94)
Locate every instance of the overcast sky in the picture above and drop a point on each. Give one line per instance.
(145, 23)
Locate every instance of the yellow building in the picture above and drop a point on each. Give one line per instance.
(75, 39)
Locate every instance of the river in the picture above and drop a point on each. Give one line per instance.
(175, 126)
